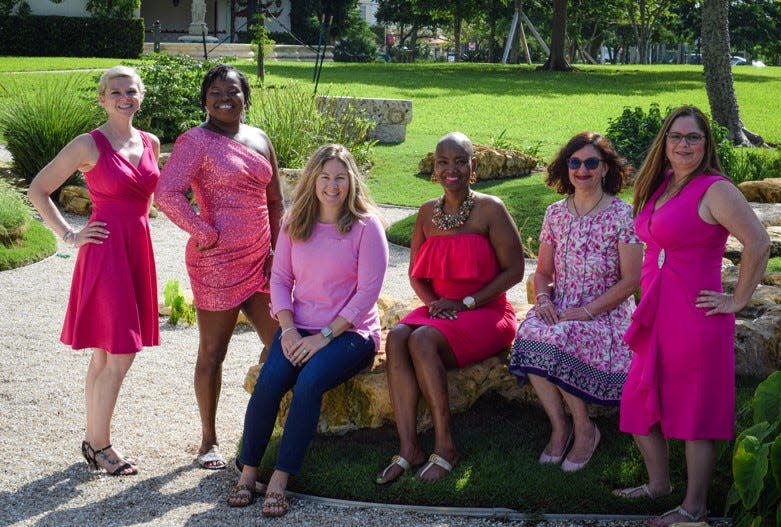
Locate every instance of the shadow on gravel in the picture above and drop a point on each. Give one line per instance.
(141, 501)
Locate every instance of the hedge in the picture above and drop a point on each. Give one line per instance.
(63, 36)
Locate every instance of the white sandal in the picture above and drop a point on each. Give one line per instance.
(435, 460)
(395, 460)
(686, 515)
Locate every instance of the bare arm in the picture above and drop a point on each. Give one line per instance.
(724, 204)
(80, 154)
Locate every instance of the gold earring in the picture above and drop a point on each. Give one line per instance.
(473, 177)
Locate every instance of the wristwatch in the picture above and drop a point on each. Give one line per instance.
(469, 302)
(328, 333)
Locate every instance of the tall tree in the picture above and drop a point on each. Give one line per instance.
(718, 72)
(556, 60)
(644, 15)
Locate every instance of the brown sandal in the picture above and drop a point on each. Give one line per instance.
(241, 495)
(275, 505)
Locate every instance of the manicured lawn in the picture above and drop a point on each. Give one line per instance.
(55, 63)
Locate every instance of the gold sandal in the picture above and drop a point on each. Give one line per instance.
(275, 504)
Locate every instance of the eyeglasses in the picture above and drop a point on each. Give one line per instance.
(692, 138)
(591, 163)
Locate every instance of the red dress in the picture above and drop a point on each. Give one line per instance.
(113, 297)
(458, 265)
(229, 183)
(682, 374)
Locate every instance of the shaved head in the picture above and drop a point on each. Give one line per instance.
(457, 139)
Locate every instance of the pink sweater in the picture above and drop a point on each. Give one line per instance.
(332, 274)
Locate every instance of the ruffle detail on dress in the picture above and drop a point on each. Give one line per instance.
(456, 257)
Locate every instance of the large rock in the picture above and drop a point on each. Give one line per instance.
(364, 400)
(734, 248)
(492, 163)
(758, 326)
(76, 199)
(763, 191)
(390, 116)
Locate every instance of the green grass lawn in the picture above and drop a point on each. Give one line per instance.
(499, 443)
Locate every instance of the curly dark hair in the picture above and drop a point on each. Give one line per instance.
(618, 170)
(221, 72)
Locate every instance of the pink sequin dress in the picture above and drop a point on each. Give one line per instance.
(113, 297)
(683, 369)
(229, 182)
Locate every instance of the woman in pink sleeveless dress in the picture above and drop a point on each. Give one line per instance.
(113, 298)
(232, 170)
(465, 254)
(681, 381)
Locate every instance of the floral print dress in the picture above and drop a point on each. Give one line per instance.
(587, 359)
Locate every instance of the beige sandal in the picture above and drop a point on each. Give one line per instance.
(633, 493)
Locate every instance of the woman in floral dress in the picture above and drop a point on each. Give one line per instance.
(571, 346)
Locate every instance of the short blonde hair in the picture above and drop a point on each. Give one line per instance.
(120, 71)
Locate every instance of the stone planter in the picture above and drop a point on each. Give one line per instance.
(391, 116)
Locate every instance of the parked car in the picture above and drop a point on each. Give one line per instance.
(738, 61)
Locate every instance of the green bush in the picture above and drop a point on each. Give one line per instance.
(633, 132)
(289, 115)
(14, 214)
(181, 309)
(62, 36)
(172, 103)
(358, 43)
(756, 460)
(37, 123)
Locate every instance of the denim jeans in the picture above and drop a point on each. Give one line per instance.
(332, 365)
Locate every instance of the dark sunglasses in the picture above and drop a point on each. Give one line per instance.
(591, 163)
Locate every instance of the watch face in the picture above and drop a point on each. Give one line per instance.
(469, 302)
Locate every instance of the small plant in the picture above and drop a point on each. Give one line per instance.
(38, 123)
(502, 141)
(14, 215)
(181, 309)
(756, 461)
(172, 103)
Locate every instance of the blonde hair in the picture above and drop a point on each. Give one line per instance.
(303, 214)
(119, 71)
(656, 164)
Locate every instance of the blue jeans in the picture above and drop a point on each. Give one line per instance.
(332, 365)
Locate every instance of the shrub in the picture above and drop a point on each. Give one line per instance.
(358, 43)
(38, 123)
(14, 214)
(756, 460)
(62, 36)
(289, 115)
(633, 132)
(172, 103)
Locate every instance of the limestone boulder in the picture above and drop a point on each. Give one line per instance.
(364, 400)
(492, 163)
(734, 248)
(288, 178)
(763, 191)
(76, 200)
(758, 343)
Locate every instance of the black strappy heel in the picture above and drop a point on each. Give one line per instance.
(88, 453)
(120, 470)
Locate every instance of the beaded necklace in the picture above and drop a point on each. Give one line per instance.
(448, 222)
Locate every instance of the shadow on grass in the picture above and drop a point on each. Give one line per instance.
(499, 442)
(498, 80)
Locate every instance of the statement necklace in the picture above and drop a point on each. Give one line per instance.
(578, 214)
(448, 222)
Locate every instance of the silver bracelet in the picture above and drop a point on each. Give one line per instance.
(291, 328)
(588, 312)
(69, 237)
(538, 295)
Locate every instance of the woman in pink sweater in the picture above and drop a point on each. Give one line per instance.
(330, 261)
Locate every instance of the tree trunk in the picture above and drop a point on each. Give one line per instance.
(457, 37)
(718, 73)
(556, 60)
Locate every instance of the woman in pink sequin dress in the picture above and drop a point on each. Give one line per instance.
(681, 383)
(113, 299)
(231, 168)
